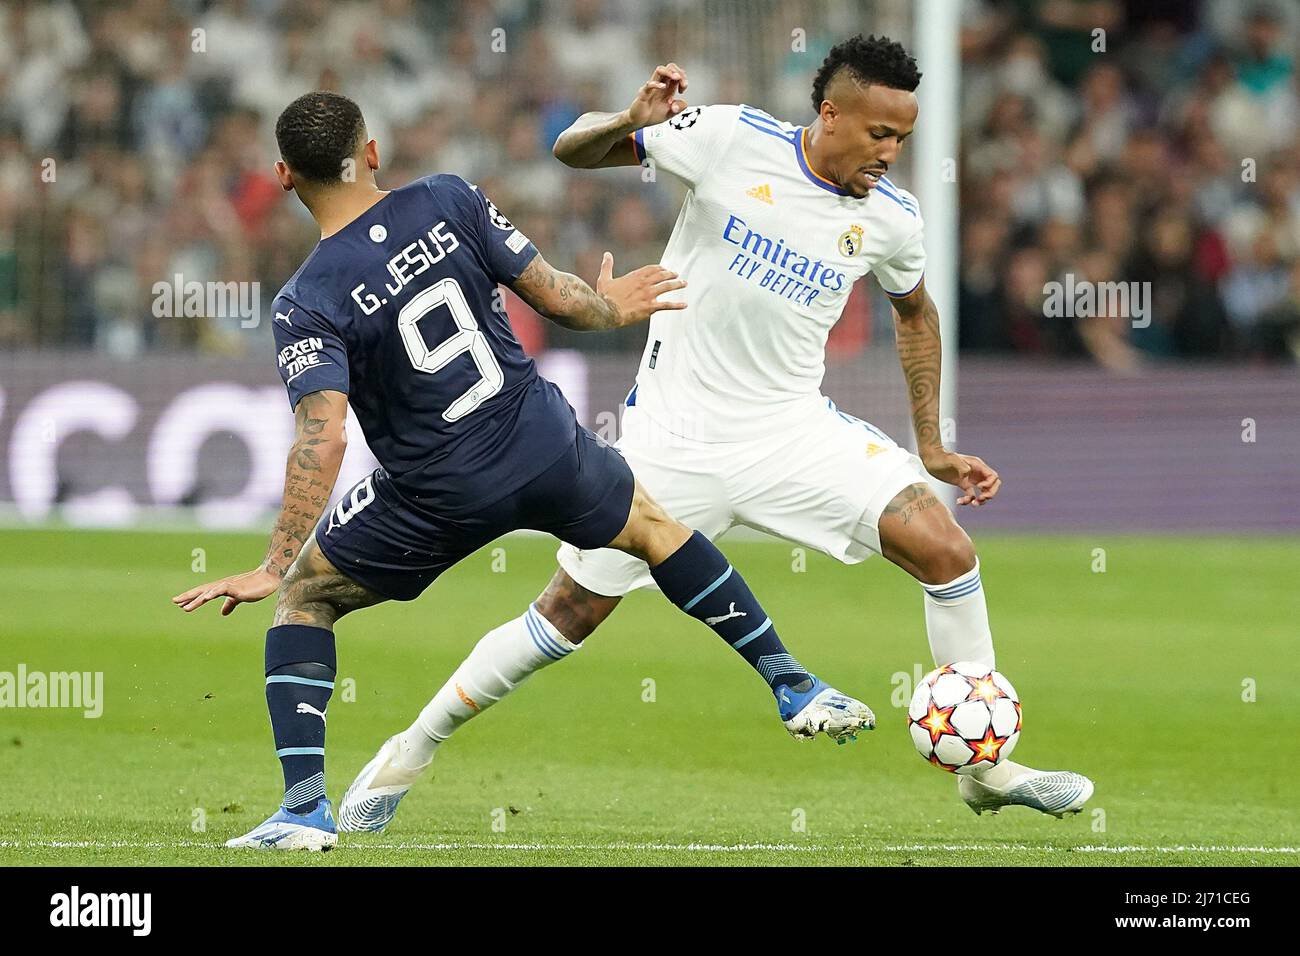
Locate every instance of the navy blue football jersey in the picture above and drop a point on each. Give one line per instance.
(400, 310)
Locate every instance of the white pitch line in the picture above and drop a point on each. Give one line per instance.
(690, 847)
(673, 847)
(1097, 848)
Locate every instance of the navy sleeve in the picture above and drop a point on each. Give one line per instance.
(506, 250)
(310, 355)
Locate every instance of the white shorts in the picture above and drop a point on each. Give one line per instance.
(822, 485)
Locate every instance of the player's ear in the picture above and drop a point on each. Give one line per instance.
(828, 115)
(371, 154)
(282, 173)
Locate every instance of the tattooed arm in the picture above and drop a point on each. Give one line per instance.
(599, 140)
(916, 330)
(309, 477)
(568, 301)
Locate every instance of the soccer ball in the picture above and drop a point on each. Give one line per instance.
(964, 717)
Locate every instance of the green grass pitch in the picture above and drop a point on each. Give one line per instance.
(654, 744)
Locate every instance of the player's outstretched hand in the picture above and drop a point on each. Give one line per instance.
(635, 296)
(237, 589)
(656, 101)
(979, 482)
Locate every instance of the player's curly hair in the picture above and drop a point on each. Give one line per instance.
(871, 60)
(317, 132)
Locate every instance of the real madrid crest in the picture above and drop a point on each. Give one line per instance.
(851, 241)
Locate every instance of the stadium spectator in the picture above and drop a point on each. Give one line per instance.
(1163, 154)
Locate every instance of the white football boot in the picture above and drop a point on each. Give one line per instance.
(371, 801)
(1055, 792)
(313, 831)
(822, 709)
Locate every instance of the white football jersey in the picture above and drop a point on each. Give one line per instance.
(769, 250)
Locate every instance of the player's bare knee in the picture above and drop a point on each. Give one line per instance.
(573, 610)
(947, 557)
(651, 533)
(921, 536)
(299, 602)
(664, 535)
(316, 593)
(296, 605)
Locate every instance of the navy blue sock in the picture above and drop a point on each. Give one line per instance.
(698, 578)
(300, 667)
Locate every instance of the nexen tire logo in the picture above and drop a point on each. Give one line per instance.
(300, 349)
(296, 358)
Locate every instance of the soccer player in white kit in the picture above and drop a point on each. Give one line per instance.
(726, 424)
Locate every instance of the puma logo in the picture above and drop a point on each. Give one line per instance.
(306, 708)
(284, 316)
(731, 612)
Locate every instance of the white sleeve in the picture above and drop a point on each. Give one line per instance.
(688, 144)
(901, 273)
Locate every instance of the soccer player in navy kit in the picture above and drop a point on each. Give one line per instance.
(397, 313)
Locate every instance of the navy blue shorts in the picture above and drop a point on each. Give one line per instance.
(386, 544)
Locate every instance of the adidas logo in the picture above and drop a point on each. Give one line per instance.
(762, 193)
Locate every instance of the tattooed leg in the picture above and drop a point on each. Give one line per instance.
(300, 669)
(316, 593)
(572, 609)
(920, 535)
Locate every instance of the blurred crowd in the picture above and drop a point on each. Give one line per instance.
(1169, 156)
(136, 146)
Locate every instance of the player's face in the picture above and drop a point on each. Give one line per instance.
(870, 125)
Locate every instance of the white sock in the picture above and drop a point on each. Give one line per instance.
(957, 620)
(499, 663)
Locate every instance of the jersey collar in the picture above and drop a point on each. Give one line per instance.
(801, 152)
